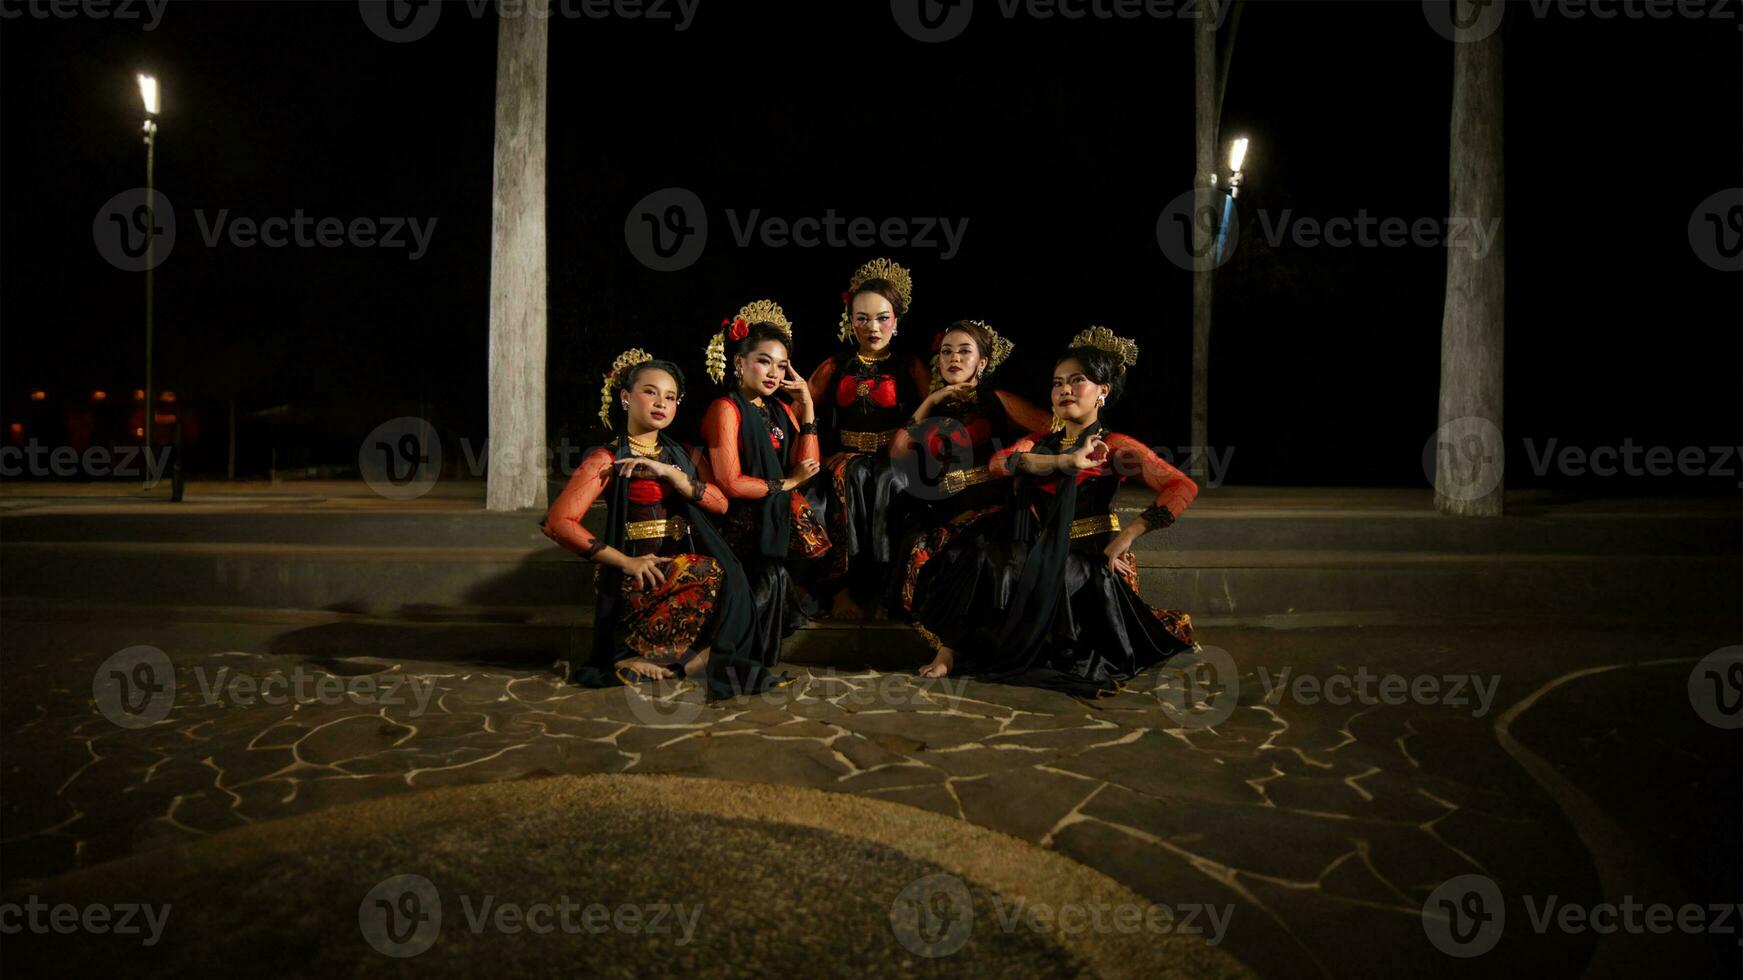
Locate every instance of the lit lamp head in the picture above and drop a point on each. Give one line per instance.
(148, 94)
(1237, 157)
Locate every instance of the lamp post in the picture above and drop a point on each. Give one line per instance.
(1237, 157)
(148, 94)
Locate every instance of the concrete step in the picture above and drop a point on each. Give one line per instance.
(1250, 586)
(1699, 533)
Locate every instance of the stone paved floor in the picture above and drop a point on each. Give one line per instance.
(1326, 826)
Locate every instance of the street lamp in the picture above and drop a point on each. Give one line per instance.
(148, 95)
(1237, 157)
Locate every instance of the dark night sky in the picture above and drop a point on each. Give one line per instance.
(1059, 143)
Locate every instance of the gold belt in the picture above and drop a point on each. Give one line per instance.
(866, 442)
(1083, 527)
(955, 480)
(665, 527)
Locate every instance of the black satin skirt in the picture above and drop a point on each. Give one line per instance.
(1101, 633)
(860, 506)
(781, 607)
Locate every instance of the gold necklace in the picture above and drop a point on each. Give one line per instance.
(872, 360)
(648, 445)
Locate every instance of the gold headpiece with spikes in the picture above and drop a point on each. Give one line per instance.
(876, 269)
(1001, 349)
(614, 377)
(1102, 337)
(756, 311)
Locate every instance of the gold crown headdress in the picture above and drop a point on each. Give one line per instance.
(1102, 337)
(1000, 349)
(884, 269)
(735, 327)
(614, 377)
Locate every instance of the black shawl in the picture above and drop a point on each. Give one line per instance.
(1041, 586)
(756, 457)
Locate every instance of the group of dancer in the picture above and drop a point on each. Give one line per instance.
(881, 486)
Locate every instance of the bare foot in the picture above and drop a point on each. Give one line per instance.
(845, 607)
(940, 664)
(641, 667)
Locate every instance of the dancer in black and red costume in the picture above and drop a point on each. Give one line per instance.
(1046, 593)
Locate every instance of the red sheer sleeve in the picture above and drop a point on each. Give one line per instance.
(1174, 489)
(821, 378)
(808, 445)
(1001, 459)
(713, 500)
(1025, 414)
(563, 520)
(720, 431)
(922, 375)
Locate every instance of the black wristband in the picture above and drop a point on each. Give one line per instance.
(592, 549)
(1012, 461)
(775, 486)
(699, 488)
(808, 428)
(1156, 517)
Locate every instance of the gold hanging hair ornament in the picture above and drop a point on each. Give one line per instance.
(876, 269)
(737, 327)
(614, 377)
(1000, 348)
(1103, 338)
